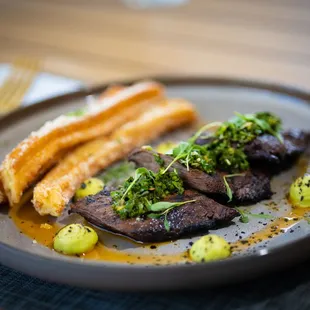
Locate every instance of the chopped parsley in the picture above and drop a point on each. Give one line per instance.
(78, 112)
(225, 150)
(196, 156)
(193, 155)
(142, 193)
(137, 195)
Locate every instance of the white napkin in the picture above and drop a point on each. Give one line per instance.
(44, 86)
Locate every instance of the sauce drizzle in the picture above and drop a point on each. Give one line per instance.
(30, 223)
(42, 230)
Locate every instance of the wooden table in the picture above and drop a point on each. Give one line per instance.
(101, 40)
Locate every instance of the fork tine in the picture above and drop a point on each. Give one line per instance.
(16, 85)
(11, 84)
(25, 82)
(23, 71)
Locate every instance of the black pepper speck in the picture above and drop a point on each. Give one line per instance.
(89, 200)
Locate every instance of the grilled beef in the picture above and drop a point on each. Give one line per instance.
(267, 152)
(186, 220)
(252, 187)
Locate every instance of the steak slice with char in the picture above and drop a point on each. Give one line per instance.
(186, 220)
(254, 186)
(266, 151)
(269, 151)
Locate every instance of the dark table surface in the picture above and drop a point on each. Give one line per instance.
(288, 289)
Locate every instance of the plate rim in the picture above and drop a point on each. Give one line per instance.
(84, 91)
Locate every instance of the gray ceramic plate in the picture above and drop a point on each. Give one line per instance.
(215, 99)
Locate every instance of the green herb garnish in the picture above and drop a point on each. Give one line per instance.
(225, 150)
(244, 216)
(228, 189)
(261, 216)
(230, 138)
(79, 112)
(159, 160)
(179, 152)
(203, 129)
(138, 173)
(147, 147)
(140, 192)
(164, 207)
(193, 155)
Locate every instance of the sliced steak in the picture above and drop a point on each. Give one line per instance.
(250, 188)
(185, 220)
(268, 152)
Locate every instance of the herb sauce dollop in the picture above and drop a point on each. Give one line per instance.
(224, 150)
(137, 195)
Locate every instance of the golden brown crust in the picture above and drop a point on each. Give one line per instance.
(3, 197)
(110, 91)
(58, 186)
(32, 156)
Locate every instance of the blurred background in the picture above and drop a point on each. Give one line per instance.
(96, 41)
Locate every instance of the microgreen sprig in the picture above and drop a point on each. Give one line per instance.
(78, 112)
(228, 189)
(178, 153)
(138, 173)
(202, 129)
(244, 216)
(264, 125)
(164, 207)
(184, 149)
(139, 192)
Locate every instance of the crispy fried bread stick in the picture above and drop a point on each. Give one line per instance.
(57, 188)
(22, 167)
(110, 91)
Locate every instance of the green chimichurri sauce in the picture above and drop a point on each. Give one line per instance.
(224, 151)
